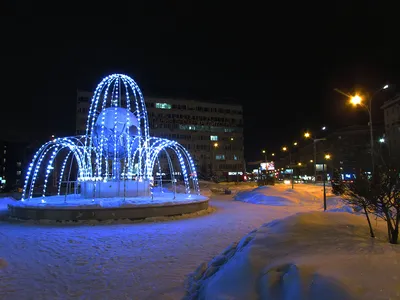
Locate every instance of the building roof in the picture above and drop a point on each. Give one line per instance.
(391, 102)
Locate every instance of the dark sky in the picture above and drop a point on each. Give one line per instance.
(281, 63)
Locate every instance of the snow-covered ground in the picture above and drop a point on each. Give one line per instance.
(148, 260)
(313, 255)
(283, 195)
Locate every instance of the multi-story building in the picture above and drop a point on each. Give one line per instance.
(212, 132)
(391, 111)
(14, 159)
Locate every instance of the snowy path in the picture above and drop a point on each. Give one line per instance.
(120, 261)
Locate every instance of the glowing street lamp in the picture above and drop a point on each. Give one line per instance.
(215, 145)
(324, 175)
(273, 154)
(381, 140)
(265, 155)
(299, 164)
(357, 100)
(284, 148)
(307, 135)
(323, 128)
(295, 144)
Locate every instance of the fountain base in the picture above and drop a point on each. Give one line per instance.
(77, 208)
(112, 189)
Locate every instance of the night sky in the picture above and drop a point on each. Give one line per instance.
(281, 63)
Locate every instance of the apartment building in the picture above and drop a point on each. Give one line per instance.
(211, 132)
(391, 111)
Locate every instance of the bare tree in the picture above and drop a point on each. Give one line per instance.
(357, 194)
(380, 196)
(385, 200)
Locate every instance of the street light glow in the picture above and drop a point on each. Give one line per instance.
(215, 145)
(323, 128)
(299, 163)
(284, 148)
(356, 100)
(327, 156)
(273, 154)
(295, 143)
(263, 151)
(307, 135)
(311, 161)
(231, 139)
(385, 87)
(381, 140)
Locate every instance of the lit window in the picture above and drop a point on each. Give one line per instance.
(18, 173)
(214, 137)
(18, 164)
(220, 157)
(163, 105)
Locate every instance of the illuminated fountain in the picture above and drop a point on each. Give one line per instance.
(115, 166)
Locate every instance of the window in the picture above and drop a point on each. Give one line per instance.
(18, 173)
(213, 137)
(163, 105)
(220, 157)
(18, 164)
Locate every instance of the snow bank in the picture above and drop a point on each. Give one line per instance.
(278, 195)
(263, 195)
(4, 206)
(312, 255)
(302, 194)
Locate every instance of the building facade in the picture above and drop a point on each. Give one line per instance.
(391, 110)
(15, 157)
(211, 132)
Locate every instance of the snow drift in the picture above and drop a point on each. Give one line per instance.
(312, 255)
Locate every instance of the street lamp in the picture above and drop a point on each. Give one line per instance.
(357, 100)
(324, 175)
(265, 155)
(284, 149)
(307, 135)
(295, 144)
(215, 146)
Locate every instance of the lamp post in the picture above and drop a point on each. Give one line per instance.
(324, 175)
(215, 146)
(284, 149)
(357, 100)
(265, 155)
(307, 135)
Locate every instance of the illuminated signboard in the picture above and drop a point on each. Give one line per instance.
(270, 166)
